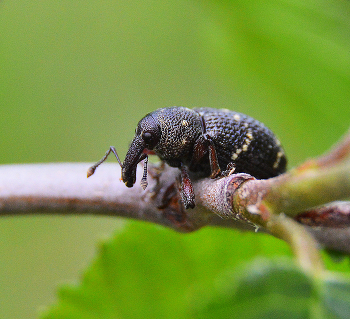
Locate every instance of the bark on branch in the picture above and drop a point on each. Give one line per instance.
(290, 206)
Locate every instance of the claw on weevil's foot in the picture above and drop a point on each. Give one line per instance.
(90, 171)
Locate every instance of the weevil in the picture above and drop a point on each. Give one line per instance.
(203, 142)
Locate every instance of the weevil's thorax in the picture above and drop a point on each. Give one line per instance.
(180, 127)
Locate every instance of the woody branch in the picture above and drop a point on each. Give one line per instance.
(237, 201)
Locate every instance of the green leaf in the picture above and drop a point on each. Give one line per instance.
(336, 295)
(277, 289)
(128, 280)
(263, 290)
(147, 271)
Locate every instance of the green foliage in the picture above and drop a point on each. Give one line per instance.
(263, 290)
(128, 281)
(336, 295)
(275, 288)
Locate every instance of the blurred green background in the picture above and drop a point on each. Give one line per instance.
(76, 76)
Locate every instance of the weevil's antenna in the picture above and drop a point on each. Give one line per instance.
(112, 149)
(144, 182)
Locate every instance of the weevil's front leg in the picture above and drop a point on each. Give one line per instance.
(144, 182)
(187, 193)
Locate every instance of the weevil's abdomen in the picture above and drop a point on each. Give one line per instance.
(243, 141)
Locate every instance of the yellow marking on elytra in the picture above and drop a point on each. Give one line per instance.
(236, 153)
(184, 123)
(278, 159)
(247, 141)
(245, 146)
(237, 117)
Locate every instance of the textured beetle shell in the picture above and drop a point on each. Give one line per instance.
(180, 128)
(238, 139)
(243, 141)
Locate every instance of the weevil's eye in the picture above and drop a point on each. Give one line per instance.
(147, 137)
(149, 131)
(150, 138)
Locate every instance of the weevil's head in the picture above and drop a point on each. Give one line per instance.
(170, 133)
(147, 136)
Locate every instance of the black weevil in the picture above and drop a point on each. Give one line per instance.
(203, 141)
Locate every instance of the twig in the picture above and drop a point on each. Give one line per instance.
(237, 201)
(62, 188)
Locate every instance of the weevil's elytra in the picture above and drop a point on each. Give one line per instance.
(202, 141)
(240, 139)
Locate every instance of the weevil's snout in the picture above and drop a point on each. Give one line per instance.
(129, 176)
(132, 158)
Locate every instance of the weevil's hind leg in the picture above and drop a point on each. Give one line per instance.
(213, 160)
(144, 182)
(112, 149)
(187, 193)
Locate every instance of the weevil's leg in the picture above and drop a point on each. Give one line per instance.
(187, 193)
(230, 169)
(213, 160)
(112, 149)
(203, 144)
(144, 182)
